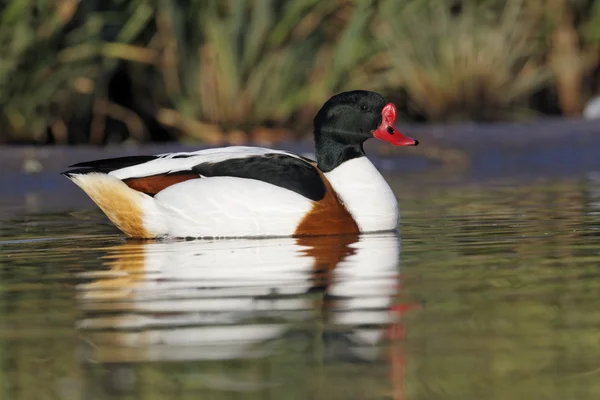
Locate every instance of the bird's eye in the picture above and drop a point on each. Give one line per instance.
(364, 108)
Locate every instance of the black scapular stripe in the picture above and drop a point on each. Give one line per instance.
(277, 169)
(110, 164)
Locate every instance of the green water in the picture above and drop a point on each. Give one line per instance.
(491, 292)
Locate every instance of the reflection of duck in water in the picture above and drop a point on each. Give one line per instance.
(230, 299)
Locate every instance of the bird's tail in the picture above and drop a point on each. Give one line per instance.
(133, 212)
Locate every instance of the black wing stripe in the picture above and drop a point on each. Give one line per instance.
(281, 170)
(111, 164)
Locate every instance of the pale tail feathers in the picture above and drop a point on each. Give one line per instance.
(135, 213)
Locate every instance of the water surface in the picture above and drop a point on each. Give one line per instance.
(490, 291)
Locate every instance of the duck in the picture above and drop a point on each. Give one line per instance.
(245, 191)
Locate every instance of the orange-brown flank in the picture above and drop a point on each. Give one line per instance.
(328, 216)
(151, 185)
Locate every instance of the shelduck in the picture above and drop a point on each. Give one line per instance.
(241, 191)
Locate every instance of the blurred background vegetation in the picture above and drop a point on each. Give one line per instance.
(232, 71)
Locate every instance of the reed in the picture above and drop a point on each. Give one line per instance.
(233, 71)
(479, 62)
(34, 81)
(230, 66)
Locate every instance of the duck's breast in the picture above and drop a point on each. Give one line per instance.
(365, 194)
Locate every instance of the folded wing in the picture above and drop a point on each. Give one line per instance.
(152, 174)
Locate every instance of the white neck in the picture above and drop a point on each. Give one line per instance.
(366, 195)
